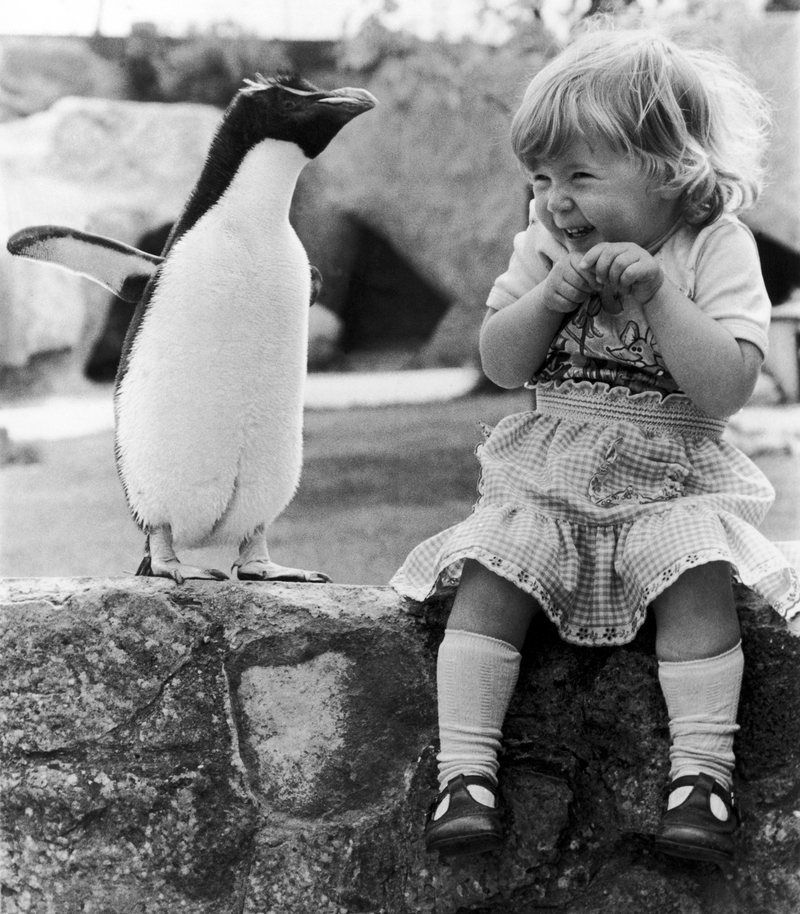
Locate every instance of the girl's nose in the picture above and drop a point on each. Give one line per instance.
(558, 201)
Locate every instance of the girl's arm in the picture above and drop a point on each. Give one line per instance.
(514, 340)
(714, 369)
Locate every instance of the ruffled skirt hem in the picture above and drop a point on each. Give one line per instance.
(605, 602)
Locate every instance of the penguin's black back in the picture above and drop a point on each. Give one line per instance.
(275, 108)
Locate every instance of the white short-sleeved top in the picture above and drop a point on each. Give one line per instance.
(609, 340)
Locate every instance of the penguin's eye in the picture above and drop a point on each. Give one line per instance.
(287, 102)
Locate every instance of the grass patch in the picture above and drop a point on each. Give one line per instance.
(375, 483)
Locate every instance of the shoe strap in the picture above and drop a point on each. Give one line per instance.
(703, 785)
(461, 782)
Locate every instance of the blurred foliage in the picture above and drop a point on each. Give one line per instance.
(374, 43)
(207, 69)
(377, 44)
(564, 16)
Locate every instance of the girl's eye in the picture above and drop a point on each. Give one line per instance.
(581, 174)
(539, 179)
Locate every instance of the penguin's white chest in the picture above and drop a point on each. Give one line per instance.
(209, 412)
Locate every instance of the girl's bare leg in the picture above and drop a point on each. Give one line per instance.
(489, 605)
(696, 616)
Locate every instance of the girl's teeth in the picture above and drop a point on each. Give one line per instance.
(577, 233)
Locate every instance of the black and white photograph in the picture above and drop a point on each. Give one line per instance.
(400, 457)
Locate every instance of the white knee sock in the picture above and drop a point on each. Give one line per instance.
(476, 677)
(702, 701)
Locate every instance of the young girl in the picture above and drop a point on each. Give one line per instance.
(634, 307)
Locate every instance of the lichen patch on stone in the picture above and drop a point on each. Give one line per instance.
(294, 717)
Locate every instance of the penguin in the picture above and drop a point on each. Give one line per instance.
(208, 398)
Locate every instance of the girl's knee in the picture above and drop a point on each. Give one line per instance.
(487, 604)
(696, 616)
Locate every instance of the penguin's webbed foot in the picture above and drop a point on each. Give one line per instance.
(254, 564)
(160, 560)
(265, 570)
(179, 572)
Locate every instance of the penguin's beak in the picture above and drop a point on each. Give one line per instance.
(350, 101)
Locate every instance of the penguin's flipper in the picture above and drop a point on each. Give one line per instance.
(160, 561)
(316, 284)
(254, 564)
(118, 267)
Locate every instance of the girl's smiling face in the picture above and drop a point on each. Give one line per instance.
(593, 193)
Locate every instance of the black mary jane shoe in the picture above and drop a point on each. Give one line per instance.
(691, 830)
(467, 827)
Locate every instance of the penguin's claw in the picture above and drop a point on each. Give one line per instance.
(261, 570)
(179, 572)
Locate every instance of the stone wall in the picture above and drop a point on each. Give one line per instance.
(250, 749)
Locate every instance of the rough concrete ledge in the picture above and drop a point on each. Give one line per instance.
(266, 749)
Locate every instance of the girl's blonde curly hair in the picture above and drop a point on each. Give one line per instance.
(689, 116)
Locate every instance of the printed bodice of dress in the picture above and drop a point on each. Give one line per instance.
(607, 340)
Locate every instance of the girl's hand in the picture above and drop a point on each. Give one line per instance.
(625, 267)
(567, 286)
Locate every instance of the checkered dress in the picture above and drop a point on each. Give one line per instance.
(597, 501)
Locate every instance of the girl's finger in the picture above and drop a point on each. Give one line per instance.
(632, 273)
(588, 279)
(590, 257)
(576, 289)
(563, 304)
(604, 263)
(619, 267)
(578, 281)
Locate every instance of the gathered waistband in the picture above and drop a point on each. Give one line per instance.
(600, 404)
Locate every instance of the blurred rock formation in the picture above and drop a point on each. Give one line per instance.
(409, 215)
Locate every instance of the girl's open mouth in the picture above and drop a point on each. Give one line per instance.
(575, 234)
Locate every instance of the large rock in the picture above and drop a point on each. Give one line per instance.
(110, 167)
(431, 170)
(268, 748)
(34, 74)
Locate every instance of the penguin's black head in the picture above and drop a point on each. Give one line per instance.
(291, 108)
